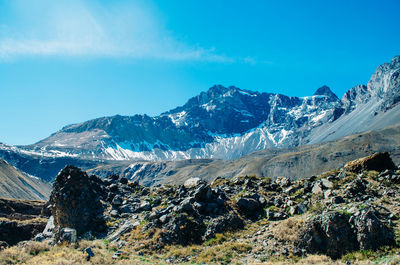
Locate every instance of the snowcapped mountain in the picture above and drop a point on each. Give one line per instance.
(224, 122)
(365, 107)
(229, 122)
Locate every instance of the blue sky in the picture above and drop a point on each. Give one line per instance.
(64, 62)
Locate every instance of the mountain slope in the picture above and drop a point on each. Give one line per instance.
(370, 107)
(295, 162)
(18, 185)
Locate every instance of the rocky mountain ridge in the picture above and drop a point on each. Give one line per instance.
(229, 122)
(369, 107)
(206, 126)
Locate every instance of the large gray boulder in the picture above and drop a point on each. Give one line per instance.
(333, 233)
(371, 232)
(329, 233)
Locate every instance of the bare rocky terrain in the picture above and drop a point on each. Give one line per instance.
(349, 214)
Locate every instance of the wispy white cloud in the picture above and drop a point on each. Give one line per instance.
(82, 29)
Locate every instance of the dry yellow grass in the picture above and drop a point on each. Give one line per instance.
(27, 221)
(289, 229)
(228, 252)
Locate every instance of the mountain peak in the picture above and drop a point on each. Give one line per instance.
(218, 89)
(396, 61)
(326, 91)
(221, 90)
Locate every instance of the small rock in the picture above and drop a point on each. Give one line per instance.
(248, 205)
(114, 213)
(283, 181)
(164, 218)
(186, 205)
(293, 210)
(113, 177)
(68, 234)
(113, 187)
(126, 227)
(327, 194)
(117, 254)
(49, 229)
(290, 190)
(89, 252)
(262, 200)
(127, 208)
(301, 208)
(199, 206)
(192, 182)
(203, 193)
(117, 200)
(337, 199)
(317, 188)
(39, 237)
(327, 184)
(123, 181)
(145, 206)
(312, 178)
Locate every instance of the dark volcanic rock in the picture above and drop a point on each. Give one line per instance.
(222, 224)
(123, 181)
(183, 230)
(203, 193)
(248, 206)
(75, 201)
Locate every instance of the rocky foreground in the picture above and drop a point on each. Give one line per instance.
(344, 215)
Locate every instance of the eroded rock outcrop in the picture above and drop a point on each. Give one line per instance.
(377, 161)
(14, 231)
(21, 219)
(75, 201)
